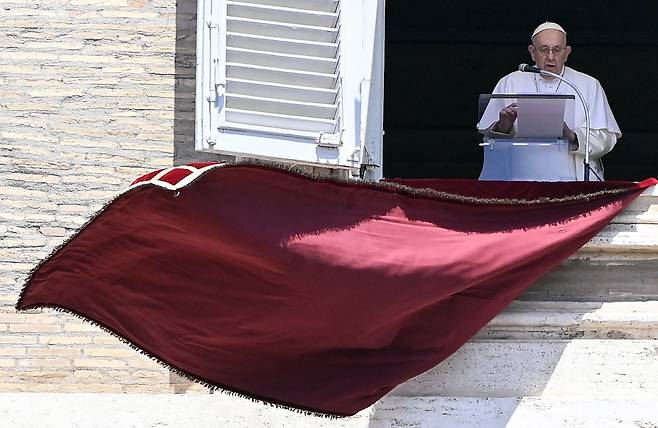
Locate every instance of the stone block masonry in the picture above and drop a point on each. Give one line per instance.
(93, 93)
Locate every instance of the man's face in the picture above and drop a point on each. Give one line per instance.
(549, 50)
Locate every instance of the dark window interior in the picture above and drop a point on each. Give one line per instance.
(441, 55)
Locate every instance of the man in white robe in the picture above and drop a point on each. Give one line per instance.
(549, 51)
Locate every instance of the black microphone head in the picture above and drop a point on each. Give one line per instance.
(529, 68)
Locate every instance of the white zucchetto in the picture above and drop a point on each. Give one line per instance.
(548, 26)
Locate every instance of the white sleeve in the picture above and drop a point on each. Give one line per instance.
(601, 141)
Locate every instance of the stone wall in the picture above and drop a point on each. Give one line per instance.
(93, 93)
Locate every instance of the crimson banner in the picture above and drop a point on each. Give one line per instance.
(317, 294)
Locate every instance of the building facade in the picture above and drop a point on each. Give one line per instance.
(97, 92)
(94, 94)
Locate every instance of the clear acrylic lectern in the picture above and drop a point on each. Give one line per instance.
(535, 150)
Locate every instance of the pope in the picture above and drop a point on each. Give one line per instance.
(549, 51)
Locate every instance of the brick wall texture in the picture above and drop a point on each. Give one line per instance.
(93, 93)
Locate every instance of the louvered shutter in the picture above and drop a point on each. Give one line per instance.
(283, 79)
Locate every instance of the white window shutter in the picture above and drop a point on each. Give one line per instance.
(285, 80)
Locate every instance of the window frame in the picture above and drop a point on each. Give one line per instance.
(357, 146)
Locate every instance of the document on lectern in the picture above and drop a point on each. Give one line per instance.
(539, 115)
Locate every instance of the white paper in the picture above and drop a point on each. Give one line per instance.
(540, 118)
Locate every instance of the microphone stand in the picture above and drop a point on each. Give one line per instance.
(541, 72)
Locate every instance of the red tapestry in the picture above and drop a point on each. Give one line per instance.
(316, 294)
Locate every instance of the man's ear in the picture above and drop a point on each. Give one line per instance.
(567, 51)
(531, 51)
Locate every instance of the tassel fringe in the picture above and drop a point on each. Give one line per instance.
(424, 193)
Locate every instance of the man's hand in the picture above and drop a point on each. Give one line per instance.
(570, 135)
(506, 119)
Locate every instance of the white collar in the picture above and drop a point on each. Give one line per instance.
(548, 84)
(543, 79)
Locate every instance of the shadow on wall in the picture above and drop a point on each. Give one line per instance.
(482, 384)
(181, 385)
(531, 362)
(185, 86)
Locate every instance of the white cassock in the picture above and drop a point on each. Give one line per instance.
(604, 130)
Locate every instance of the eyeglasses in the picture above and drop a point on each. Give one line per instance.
(545, 50)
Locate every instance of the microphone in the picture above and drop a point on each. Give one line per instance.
(529, 69)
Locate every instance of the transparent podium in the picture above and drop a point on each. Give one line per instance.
(535, 151)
